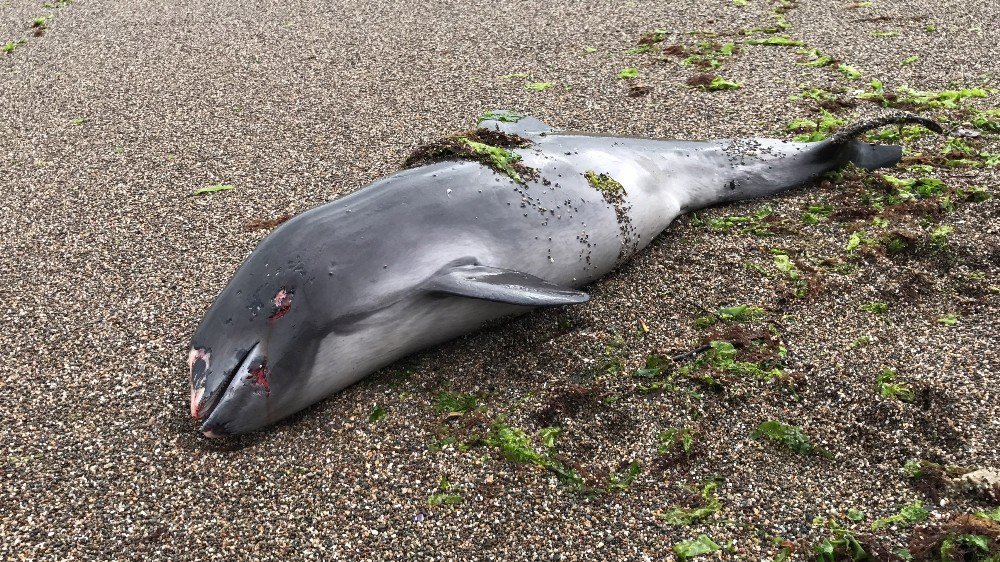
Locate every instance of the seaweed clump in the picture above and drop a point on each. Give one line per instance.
(962, 537)
(490, 148)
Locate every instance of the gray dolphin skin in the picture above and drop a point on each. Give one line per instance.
(435, 251)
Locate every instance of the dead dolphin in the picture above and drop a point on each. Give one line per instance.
(496, 221)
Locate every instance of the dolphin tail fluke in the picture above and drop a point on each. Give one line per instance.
(869, 156)
(845, 147)
(852, 132)
(873, 156)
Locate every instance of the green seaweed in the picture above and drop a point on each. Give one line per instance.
(814, 131)
(750, 224)
(679, 516)
(908, 515)
(212, 189)
(622, 481)
(503, 116)
(675, 438)
(448, 402)
(784, 264)
(538, 86)
(11, 46)
(603, 183)
(948, 320)
(629, 73)
(737, 313)
(875, 307)
(889, 387)
(695, 547)
(548, 436)
(710, 55)
(816, 214)
(488, 147)
(910, 98)
(776, 41)
(849, 71)
(788, 435)
(719, 84)
(445, 496)
(502, 158)
(815, 59)
(378, 413)
(988, 121)
(515, 445)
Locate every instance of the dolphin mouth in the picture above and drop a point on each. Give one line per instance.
(204, 411)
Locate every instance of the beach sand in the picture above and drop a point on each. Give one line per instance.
(113, 115)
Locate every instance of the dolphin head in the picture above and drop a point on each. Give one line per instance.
(250, 356)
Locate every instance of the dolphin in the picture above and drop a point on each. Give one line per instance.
(510, 216)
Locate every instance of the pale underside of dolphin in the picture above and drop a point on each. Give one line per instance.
(434, 252)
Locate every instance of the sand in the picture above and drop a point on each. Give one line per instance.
(118, 111)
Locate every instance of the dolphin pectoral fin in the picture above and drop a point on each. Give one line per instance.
(502, 285)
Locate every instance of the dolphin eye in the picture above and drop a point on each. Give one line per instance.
(282, 302)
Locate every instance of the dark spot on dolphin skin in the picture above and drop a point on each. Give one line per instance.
(732, 185)
(258, 375)
(198, 373)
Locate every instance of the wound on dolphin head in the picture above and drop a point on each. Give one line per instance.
(282, 303)
(259, 376)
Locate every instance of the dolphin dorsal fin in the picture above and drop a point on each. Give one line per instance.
(502, 285)
(512, 123)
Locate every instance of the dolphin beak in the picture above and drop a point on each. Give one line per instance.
(199, 364)
(240, 392)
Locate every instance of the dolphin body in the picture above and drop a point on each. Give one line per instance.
(434, 252)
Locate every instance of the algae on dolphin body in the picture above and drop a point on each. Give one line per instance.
(488, 147)
(614, 193)
(502, 160)
(501, 115)
(604, 183)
